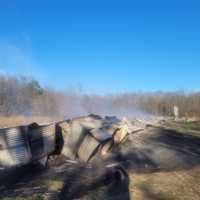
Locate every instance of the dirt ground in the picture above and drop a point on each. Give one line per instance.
(162, 164)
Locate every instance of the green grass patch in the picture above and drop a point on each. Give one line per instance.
(194, 126)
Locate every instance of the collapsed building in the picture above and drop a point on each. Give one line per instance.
(79, 139)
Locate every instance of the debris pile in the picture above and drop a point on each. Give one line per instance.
(85, 137)
(77, 139)
(24, 144)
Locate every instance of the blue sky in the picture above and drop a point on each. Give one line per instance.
(106, 46)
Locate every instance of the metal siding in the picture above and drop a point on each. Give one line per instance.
(100, 134)
(49, 144)
(37, 149)
(42, 131)
(14, 149)
(120, 135)
(87, 148)
(81, 140)
(73, 138)
(42, 141)
(91, 123)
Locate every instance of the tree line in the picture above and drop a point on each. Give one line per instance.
(25, 96)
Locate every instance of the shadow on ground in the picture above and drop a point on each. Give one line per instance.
(96, 183)
(158, 150)
(77, 182)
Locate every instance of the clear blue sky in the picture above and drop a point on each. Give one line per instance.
(106, 46)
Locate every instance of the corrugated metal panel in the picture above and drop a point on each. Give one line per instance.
(120, 135)
(118, 132)
(106, 147)
(91, 123)
(81, 140)
(100, 134)
(110, 121)
(42, 141)
(49, 144)
(41, 131)
(111, 130)
(37, 149)
(14, 149)
(65, 131)
(15, 156)
(65, 126)
(87, 148)
(73, 137)
(11, 137)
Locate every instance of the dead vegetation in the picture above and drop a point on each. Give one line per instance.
(25, 96)
(21, 120)
(185, 127)
(178, 185)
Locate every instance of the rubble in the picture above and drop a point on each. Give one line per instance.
(25, 144)
(87, 136)
(79, 139)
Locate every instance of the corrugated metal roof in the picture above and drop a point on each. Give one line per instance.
(100, 135)
(14, 149)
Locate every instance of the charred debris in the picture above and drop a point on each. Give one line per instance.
(88, 140)
(79, 139)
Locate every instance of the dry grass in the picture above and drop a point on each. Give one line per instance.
(174, 185)
(53, 185)
(177, 185)
(190, 128)
(21, 120)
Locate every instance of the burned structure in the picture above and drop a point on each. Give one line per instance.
(24, 144)
(79, 139)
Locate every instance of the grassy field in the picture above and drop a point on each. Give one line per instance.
(187, 128)
(21, 120)
(177, 185)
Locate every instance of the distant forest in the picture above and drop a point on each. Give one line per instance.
(24, 96)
